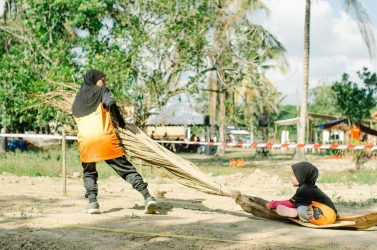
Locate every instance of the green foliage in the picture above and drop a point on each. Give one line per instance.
(47, 162)
(356, 101)
(150, 50)
(239, 53)
(369, 78)
(322, 100)
(368, 177)
(31, 52)
(142, 46)
(133, 216)
(243, 63)
(360, 157)
(287, 112)
(349, 203)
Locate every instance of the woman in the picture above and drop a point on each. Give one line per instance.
(93, 109)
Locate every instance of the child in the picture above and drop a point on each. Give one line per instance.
(309, 203)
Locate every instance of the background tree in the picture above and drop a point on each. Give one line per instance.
(240, 53)
(150, 50)
(144, 47)
(322, 100)
(356, 100)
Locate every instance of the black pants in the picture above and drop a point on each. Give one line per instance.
(123, 167)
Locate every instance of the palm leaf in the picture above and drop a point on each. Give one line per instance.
(364, 23)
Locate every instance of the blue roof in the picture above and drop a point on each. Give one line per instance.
(331, 123)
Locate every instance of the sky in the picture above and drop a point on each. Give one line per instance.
(336, 44)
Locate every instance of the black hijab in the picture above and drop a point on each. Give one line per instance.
(305, 172)
(89, 95)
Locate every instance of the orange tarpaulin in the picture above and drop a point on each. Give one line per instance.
(355, 132)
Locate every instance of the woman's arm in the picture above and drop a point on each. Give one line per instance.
(110, 104)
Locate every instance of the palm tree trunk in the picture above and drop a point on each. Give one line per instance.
(304, 97)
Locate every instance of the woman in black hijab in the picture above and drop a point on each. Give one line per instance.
(93, 109)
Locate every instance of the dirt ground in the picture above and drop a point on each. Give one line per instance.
(35, 215)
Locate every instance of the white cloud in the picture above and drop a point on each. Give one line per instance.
(336, 44)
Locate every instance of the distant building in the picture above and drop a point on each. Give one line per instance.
(334, 130)
(174, 120)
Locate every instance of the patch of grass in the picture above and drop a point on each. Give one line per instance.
(39, 207)
(23, 215)
(46, 162)
(133, 216)
(367, 203)
(368, 177)
(219, 165)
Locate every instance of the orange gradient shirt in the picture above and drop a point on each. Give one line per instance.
(96, 137)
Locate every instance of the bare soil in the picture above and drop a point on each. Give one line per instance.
(35, 215)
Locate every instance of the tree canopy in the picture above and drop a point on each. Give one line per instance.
(150, 50)
(322, 100)
(356, 100)
(144, 47)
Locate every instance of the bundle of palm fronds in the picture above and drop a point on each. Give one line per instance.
(141, 148)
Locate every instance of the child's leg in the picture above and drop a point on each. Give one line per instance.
(286, 211)
(302, 212)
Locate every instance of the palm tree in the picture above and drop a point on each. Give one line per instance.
(364, 25)
(235, 35)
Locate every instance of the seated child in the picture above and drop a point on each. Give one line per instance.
(309, 203)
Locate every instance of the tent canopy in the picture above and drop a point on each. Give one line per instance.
(288, 122)
(239, 132)
(178, 112)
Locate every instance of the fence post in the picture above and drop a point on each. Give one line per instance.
(3, 141)
(64, 163)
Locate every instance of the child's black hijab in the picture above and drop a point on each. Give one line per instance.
(305, 172)
(89, 95)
